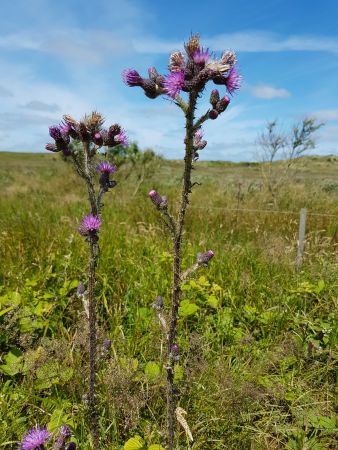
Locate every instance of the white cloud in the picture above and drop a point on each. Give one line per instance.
(37, 105)
(326, 114)
(268, 92)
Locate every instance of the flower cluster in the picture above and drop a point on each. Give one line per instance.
(189, 72)
(89, 129)
(37, 437)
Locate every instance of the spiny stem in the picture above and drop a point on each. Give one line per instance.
(176, 292)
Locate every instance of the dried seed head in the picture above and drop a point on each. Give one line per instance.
(176, 62)
(193, 45)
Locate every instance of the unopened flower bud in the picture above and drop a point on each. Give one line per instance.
(175, 352)
(71, 446)
(213, 114)
(176, 62)
(98, 139)
(222, 104)
(51, 147)
(150, 89)
(214, 97)
(204, 258)
(80, 289)
(106, 345)
(158, 200)
(193, 45)
(63, 436)
(158, 304)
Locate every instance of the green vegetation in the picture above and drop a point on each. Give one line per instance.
(258, 367)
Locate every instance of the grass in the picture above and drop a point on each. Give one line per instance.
(259, 353)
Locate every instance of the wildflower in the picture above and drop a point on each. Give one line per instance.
(90, 224)
(121, 139)
(193, 45)
(132, 78)
(55, 132)
(198, 142)
(63, 436)
(35, 439)
(174, 83)
(106, 167)
(158, 200)
(229, 58)
(204, 258)
(176, 62)
(233, 81)
(201, 56)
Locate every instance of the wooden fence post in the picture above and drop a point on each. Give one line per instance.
(301, 238)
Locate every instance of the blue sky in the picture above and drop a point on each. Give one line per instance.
(66, 57)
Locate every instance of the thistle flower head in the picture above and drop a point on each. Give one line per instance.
(222, 104)
(204, 258)
(121, 138)
(55, 132)
(198, 141)
(193, 45)
(132, 78)
(233, 81)
(106, 167)
(89, 224)
(158, 200)
(176, 62)
(51, 147)
(174, 83)
(201, 56)
(34, 439)
(229, 58)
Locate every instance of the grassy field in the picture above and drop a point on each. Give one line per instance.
(259, 359)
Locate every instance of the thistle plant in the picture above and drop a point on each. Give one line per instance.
(81, 141)
(37, 438)
(188, 73)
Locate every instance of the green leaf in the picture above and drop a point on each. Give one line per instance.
(134, 443)
(152, 370)
(187, 309)
(11, 298)
(156, 447)
(213, 301)
(178, 373)
(13, 363)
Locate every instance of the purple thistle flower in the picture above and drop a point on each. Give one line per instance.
(35, 438)
(233, 81)
(106, 167)
(121, 138)
(201, 56)
(204, 258)
(174, 83)
(89, 224)
(55, 132)
(132, 78)
(158, 200)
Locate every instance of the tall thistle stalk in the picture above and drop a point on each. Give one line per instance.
(87, 137)
(188, 73)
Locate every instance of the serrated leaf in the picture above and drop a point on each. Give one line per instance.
(187, 309)
(134, 443)
(152, 370)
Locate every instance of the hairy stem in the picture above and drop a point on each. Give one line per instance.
(176, 291)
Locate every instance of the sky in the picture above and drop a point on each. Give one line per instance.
(66, 57)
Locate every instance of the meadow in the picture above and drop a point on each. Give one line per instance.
(258, 339)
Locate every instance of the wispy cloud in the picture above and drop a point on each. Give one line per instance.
(326, 114)
(268, 92)
(36, 105)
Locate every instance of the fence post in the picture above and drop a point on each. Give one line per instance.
(301, 238)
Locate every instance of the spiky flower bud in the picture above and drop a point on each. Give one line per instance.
(63, 437)
(80, 289)
(214, 98)
(176, 62)
(204, 258)
(198, 142)
(222, 104)
(213, 114)
(51, 147)
(158, 304)
(159, 201)
(193, 45)
(132, 78)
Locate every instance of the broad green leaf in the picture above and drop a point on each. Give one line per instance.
(213, 301)
(13, 363)
(156, 447)
(134, 443)
(152, 370)
(187, 309)
(11, 298)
